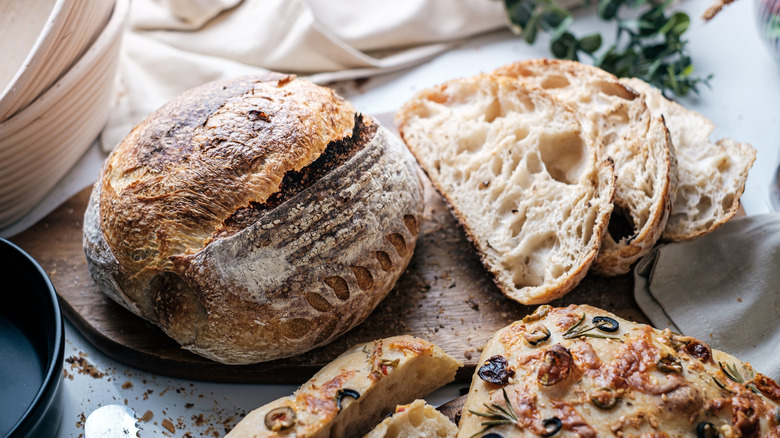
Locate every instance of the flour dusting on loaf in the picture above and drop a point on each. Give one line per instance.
(254, 218)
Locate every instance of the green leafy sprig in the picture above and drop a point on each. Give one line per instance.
(649, 41)
(496, 415)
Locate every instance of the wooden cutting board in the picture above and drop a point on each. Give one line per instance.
(445, 296)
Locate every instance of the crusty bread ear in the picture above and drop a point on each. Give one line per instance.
(350, 395)
(636, 141)
(519, 170)
(712, 176)
(415, 420)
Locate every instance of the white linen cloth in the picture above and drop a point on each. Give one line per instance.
(174, 45)
(722, 288)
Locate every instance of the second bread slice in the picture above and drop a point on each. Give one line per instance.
(520, 171)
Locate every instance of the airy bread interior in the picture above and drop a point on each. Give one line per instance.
(636, 141)
(520, 171)
(417, 419)
(712, 176)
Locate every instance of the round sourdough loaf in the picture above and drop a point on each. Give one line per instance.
(254, 219)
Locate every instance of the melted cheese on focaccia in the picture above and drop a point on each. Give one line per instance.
(586, 379)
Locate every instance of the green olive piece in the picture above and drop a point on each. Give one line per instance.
(280, 418)
(669, 364)
(604, 398)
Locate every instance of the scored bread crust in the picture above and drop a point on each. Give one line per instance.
(254, 219)
(712, 176)
(519, 170)
(381, 374)
(637, 142)
(417, 419)
(648, 382)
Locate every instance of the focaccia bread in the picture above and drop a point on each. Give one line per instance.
(351, 394)
(712, 176)
(581, 371)
(415, 420)
(520, 171)
(636, 141)
(254, 219)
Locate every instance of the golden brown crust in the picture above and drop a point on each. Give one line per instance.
(623, 379)
(349, 395)
(257, 228)
(190, 165)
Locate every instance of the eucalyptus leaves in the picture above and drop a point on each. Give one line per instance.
(649, 45)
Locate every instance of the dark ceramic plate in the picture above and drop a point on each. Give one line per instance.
(32, 346)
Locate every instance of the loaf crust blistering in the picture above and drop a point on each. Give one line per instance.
(712, 176)
(632, 137)
(350, 395)
(644, 382)
(254, 219)
(520, 171)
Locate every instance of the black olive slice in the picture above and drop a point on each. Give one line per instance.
(495, 371)
(492, 435)
(280, 418)
(706, 430)
(538, 334)
(345, 393)
(606, 324)
(551, 426)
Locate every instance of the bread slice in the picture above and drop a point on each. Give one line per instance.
(636, 141)
(350, 395)
(712, 176)
(581, 371)
(415, 420)
(520, 172)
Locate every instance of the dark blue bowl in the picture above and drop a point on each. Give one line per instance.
(32, 347)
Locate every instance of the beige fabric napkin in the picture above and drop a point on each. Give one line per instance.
(174, 45)
(723, 288)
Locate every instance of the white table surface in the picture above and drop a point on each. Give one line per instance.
(744, 102)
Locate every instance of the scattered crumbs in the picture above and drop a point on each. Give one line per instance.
(80, 422)
(83, 366)
(166, 423)
(146, 393)
(189, 405)
(467, 354)
(472, 303)
(198, 420)
(148, 415)
(739, 299)
(127, 385)
(66, 374)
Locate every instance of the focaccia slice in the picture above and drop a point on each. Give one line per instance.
(581, 371)
(349, 395)
(415, 420)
